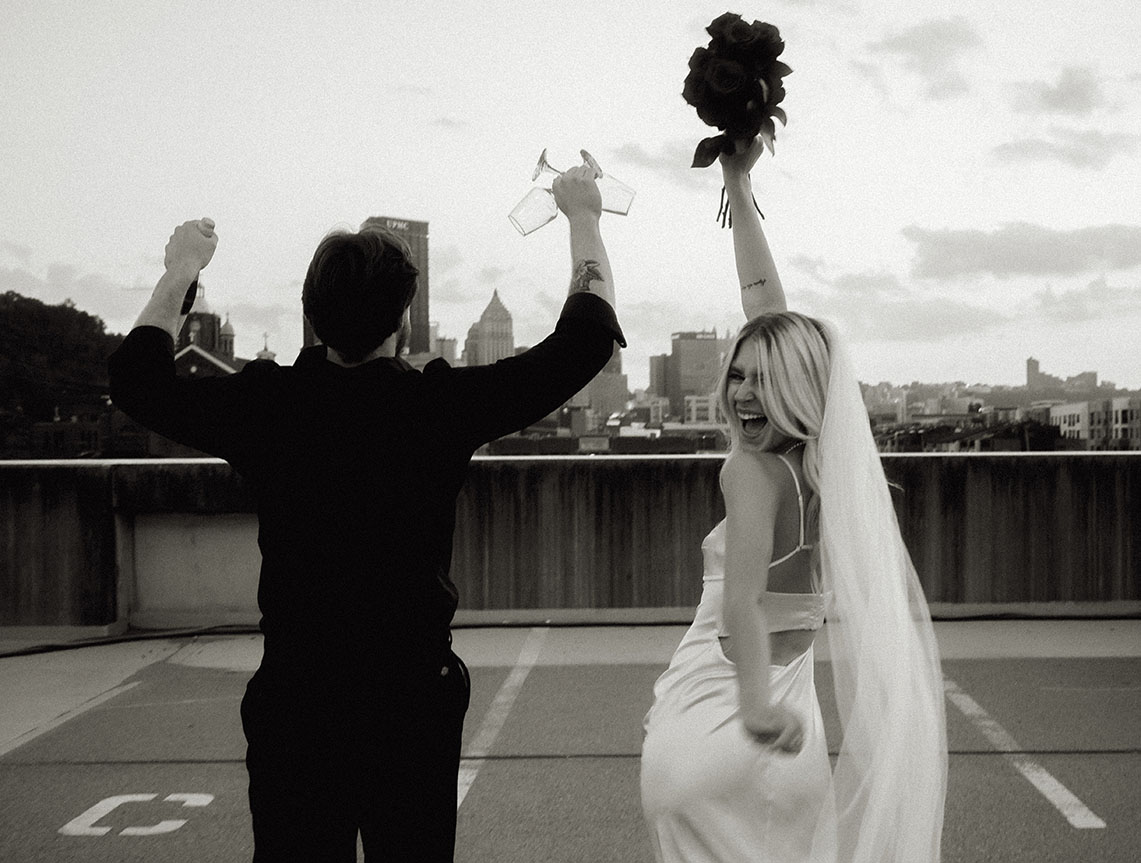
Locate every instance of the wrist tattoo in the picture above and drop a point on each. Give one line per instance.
(759, 283)
(585, 272)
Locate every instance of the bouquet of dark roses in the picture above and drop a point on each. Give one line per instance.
(735, 84)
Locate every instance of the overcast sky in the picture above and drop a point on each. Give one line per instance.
(957, 186)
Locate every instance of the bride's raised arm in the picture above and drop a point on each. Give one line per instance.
(761, 290)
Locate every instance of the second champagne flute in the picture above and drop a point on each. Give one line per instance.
(538, 206)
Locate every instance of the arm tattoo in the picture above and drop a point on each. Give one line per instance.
(585, 272)
(758, 283)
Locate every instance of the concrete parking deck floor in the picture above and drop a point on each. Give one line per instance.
(133, 751)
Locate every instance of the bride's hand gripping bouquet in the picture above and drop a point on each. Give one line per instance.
(735, 83)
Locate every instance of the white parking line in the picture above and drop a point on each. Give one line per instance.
(1062, 799)
(496, 715)
(45, 727)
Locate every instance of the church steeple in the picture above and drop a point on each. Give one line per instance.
(265, 353)
(226, 339)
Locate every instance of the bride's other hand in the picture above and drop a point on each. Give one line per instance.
(741, 161)
(776, 727)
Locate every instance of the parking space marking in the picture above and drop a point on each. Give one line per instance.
(43, 728)
(1060, 797)
(496, 716)
(84, 824)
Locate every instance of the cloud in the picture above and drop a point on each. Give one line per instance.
(414, 90)
(878, 307)
(932, 50)
(814, 267)
(263, 323)
(452, 282)
(451, 291)
(1095, 301)
(441, 259)
(1088, 149)
(116, 304)
(1020, 248)
(1077, 94)
(492, 275)
(873, 73)
(650, 322)
(21, 254)
(671, 162)
(450, 123)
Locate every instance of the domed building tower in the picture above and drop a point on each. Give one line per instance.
(202, 327)
(226, 339)
(205, 346)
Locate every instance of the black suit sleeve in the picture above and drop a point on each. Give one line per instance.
(222, 416)
(487, 402)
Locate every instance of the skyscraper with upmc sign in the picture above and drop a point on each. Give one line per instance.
(415, 234)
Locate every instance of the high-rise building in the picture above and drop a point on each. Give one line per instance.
(490, 338)
(693, 366)
(1033, 373)
(658, 365)
(415, 234)
(608, 391)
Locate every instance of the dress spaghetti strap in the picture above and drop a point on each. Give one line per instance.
(800, 546)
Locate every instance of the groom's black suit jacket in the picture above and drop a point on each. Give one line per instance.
(356, 472)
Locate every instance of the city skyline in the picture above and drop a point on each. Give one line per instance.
(952, 188)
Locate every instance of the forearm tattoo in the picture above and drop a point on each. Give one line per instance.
(759, 283)
(585, 272)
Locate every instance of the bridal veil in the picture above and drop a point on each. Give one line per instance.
(890, 777)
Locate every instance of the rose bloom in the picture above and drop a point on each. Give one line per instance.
(726, 77)
(731, 29)
(758, 43)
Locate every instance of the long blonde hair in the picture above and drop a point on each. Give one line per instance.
(794, 360)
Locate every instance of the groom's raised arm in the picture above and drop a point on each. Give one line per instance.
(513, 393)
(221, 416)
(577, 195)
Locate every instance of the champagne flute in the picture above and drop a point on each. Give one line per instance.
(538, 206)
(616, 195)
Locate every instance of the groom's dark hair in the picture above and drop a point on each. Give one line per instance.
(357, 288)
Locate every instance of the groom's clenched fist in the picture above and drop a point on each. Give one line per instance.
(191, 246)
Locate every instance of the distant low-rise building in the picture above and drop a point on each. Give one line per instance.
(703, 409)
(1100, 424)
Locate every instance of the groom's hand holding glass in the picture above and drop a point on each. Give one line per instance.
(576, 192)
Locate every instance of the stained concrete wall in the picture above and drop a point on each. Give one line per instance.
(173, 543)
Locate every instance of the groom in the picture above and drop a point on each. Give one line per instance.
(353, 720)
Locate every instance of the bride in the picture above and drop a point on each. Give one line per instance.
(735, 765)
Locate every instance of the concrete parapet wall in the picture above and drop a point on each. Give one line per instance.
(173, 543)
(58, 545)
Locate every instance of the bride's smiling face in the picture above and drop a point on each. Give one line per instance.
(744, 391)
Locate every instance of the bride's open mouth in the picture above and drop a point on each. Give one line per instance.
(752, 423)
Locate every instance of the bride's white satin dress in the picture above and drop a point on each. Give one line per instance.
(710, 793)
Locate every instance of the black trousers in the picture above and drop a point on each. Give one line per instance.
(384, 765)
